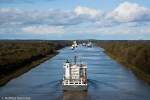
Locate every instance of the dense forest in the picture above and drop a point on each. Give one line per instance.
(132, 53)
(18, 54)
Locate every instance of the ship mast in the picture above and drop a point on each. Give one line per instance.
(75, 59)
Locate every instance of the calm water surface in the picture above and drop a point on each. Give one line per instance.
(107, 79)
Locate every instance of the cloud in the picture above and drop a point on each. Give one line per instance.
(51, 17)
(127, 18)
(127, 11)
(86, 11)
(12, 17)
(43, 29)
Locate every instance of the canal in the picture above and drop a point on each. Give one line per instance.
(107, 79)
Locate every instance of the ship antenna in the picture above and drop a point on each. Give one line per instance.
(67, 61)
(75, 59)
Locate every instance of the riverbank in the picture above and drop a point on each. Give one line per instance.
(19, 56)
(139, 73)
(24, 69)
(131, 53)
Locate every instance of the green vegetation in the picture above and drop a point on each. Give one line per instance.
(16, 55)
(135, 54)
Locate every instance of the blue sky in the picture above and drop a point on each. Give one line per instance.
(75, 19)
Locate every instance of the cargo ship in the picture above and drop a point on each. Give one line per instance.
(74, 45)
(75, 76)
(89, 44)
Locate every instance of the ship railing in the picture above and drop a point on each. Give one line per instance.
(68, 82)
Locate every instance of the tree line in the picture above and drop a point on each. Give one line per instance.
(134, 53)
(16, 54)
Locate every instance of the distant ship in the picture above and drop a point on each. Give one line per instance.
(75, 76)
(89, 44)
(83, 44)
(74, 45)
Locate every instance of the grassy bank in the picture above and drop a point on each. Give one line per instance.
(18, 57)
(23, 69)
(139, 73)
(133, 54)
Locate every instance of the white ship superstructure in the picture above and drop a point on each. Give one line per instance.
(83, 44)
(74, 45)
(75, 76)
(89, 44)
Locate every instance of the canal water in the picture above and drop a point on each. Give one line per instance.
(107, 79)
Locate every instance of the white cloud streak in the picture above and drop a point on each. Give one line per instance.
(127, 11)
(43, 29)
(79, 10)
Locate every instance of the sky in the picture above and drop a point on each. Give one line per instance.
(75, 19)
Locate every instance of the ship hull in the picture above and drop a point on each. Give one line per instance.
(75, 87)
